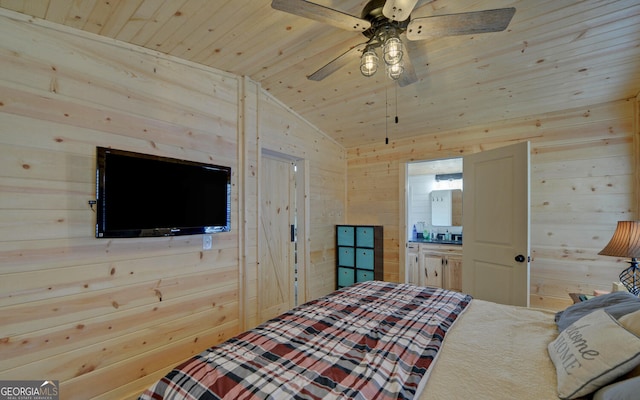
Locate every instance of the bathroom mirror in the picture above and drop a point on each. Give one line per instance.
(446, 207)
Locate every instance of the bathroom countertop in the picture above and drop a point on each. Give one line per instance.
(437, 241)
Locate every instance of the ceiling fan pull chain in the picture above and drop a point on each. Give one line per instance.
(386, 116)
(396, 86)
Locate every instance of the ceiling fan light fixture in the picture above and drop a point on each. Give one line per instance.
(392, 48)
(394, 71)
(369, 62)
(382, 22)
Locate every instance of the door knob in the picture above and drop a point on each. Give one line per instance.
(520, 258)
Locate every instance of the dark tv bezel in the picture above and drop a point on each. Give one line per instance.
(101, 233)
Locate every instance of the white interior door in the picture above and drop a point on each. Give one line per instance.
(276, 269)
(496, 218)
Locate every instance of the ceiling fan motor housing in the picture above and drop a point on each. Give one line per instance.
(380, 24)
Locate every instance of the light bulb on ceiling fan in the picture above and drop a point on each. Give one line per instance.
(392, 48)
(369, 62)
(395, 70)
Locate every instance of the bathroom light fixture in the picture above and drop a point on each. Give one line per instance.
(626, 243)
(448, 177)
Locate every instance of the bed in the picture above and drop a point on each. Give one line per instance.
(381, 340)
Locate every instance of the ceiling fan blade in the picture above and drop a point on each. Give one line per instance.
(337, 63)
(323, 14)
(460, 24)
(398, 10)
(409, 74)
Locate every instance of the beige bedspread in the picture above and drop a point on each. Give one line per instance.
(495, 352)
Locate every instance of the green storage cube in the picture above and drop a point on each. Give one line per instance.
(364, 236)
(364, 275)
(364, 258)
(345, 277)
(345, 235)
(346, 256)
(359, 254)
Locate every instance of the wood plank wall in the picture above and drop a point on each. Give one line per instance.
(325, 194)
(582, 183)
(108, 317)
(272, 127)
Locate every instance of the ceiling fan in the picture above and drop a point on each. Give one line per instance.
(383, 22)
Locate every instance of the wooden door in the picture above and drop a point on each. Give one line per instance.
(276, 268)
(495, 263)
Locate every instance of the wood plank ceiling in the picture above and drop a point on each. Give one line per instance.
(555, 54)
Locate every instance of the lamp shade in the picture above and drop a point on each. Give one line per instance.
(625, 241)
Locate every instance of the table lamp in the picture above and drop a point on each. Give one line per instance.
(626, 243)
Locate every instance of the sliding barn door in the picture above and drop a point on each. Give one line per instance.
(276, 269)
(495, 214)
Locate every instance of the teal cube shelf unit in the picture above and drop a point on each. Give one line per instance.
(358, 254)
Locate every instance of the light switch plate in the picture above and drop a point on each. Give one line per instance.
(207, 241)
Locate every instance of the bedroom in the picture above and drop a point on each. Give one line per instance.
(88, 311)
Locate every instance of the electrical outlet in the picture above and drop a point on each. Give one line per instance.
(207, 241)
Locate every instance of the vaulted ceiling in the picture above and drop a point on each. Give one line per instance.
(555, 54)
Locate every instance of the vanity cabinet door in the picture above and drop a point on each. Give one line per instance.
(413, 263)
(432, 265)
(453, 273)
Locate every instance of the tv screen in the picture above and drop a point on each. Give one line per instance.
(145, 195)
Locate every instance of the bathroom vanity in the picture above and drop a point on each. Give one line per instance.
(435, 263)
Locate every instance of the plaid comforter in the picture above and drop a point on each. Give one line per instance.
(373, 340)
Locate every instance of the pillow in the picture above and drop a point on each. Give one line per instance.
(631, 322)
(616, 304)
(623, 390)
(591, 353)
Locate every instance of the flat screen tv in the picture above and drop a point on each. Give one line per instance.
(145, 195)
